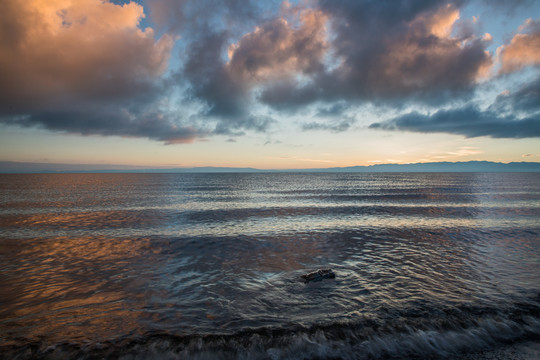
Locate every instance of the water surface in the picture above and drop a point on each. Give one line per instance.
(209, 265)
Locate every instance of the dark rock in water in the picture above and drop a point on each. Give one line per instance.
(319, 275)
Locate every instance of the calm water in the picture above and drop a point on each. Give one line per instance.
(209, 265)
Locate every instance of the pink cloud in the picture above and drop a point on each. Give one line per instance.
(278, 49)
(523, 50)
(85, 67)
(422, 56)
(61, 50)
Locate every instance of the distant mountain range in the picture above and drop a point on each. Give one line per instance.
(468, 166)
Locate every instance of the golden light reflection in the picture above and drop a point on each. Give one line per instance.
(81, 220)
(78, 289)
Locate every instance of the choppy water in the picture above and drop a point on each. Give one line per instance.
(209, 265)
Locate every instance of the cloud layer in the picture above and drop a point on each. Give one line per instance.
(91, 67)
(77, 51)
(389, 52)
(83, 66)
(512, 115)
(469, 121)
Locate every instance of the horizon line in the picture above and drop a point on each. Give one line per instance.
(12, 167)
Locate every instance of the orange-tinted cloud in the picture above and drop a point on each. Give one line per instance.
(387, 52)
(438, 23)
(523, 50)
(279, 49)
(424, 56)
(276, 50)
(72, 49)
(88, 66)
(84, 66)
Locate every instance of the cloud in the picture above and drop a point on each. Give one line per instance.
(168, 15)
(110, 122)
(278, 49)
(336, 109)
(210, 81)
(334, 126)
(185, 16)
(525, 100)
(275, 51)
(469, 121)
(334, 119)
(77, 50)
(512, 115)
(84, 66)
(523, 50)
(388, 51)
(460, 152)
(297, 158)
(89, 67)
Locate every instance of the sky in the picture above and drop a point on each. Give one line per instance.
(269, 84)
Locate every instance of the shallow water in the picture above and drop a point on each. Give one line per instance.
(210, 265)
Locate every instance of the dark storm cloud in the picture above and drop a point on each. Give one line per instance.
(289, 95)
(96, 71)
(469, 121)
(208, 27)
(525, 99)
(390, 50)
(273, 51)
(259, 123)
(384, 52)
(109, 122)
(226, 99)
(512, 115)
(210, 80)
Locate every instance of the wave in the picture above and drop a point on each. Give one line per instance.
(156, 217)
(455, 333)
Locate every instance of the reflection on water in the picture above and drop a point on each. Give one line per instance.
(90, 258)
(73, 288)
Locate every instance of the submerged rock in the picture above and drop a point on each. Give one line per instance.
(319, 275)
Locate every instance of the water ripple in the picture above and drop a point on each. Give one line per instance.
(426, 264)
